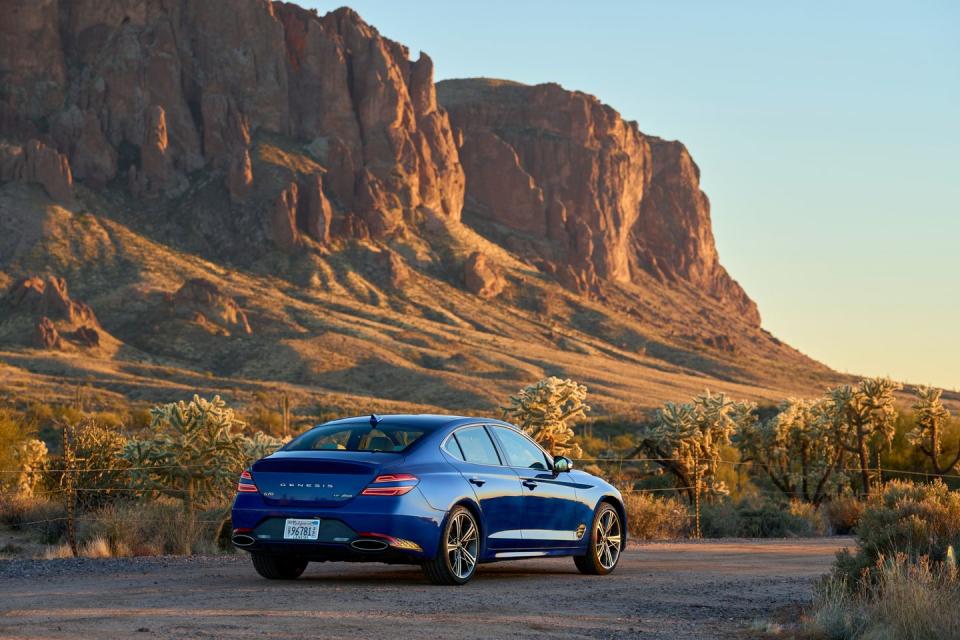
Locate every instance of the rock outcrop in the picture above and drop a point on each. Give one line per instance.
(57, 319)
(569, 181)
(203, 302)
(481, 277)
(51, 299)
(36, 162)
(45, 335)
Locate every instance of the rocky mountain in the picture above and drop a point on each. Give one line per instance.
(255, 196)
(566, 179)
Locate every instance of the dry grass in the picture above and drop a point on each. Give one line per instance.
(57, 552)
(843, 513)
(124, 529)
(43, 519)
(653, 518)
(911, 600)
(152, 528)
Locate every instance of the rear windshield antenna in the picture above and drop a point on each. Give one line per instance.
(374, 419)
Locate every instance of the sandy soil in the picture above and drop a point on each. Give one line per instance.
(664, 590)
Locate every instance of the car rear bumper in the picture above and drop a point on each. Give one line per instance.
(367, 528)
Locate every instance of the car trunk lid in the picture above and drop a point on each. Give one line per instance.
(317, 478)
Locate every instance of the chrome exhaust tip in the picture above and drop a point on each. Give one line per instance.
(242, 540)
(369, 544)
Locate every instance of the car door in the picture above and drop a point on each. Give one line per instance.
(550, 515)
(496, 486)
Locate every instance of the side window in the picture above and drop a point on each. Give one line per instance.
(451, 447)
(520, 451)
(476, 446)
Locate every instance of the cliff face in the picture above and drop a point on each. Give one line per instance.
(150, 90)
(592, 196)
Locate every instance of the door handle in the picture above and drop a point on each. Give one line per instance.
(530, 484)
(477, 481)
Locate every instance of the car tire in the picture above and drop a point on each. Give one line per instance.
(606, 542)
(278, 567)
(459, 541)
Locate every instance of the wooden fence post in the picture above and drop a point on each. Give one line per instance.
(696, 494)
(69, 481)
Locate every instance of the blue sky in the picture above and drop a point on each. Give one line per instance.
(827, 134)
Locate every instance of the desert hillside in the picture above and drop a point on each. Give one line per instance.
(240, 196)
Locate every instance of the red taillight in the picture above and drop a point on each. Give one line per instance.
(395, 477)
(391, 491)
(246, 484)
(386, 491)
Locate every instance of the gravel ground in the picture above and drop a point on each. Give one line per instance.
(715, 589)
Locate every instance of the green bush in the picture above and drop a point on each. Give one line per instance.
(916, 520)
(752, 518)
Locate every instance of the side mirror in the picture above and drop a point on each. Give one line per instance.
(562, 464)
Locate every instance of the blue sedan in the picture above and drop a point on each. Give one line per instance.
(444, 492)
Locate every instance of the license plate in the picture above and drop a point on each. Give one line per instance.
(297, 529)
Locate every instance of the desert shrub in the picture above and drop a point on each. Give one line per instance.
(102, 474)
(655, 518)
(753, 518)
(157, 527)
(720, 520)
(816, 521)
(843, 513)
(546, 410)
(909, 600)
(915, 520)
(44, 519)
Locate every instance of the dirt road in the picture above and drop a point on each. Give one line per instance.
(666, 590)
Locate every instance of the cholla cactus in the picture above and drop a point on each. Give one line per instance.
(260, 445)
(686, 439)
(545, 410)
(927, 435)
(31, 457)
(865, 416)
(194, 454)
(798, 450)
(100, 466)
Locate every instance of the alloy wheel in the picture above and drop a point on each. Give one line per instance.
(609, 539)
(463, 544)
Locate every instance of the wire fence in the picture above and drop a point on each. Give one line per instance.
(626, 468)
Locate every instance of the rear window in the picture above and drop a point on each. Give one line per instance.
(356, 437)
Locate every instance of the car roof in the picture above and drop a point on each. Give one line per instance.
(426, 421)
